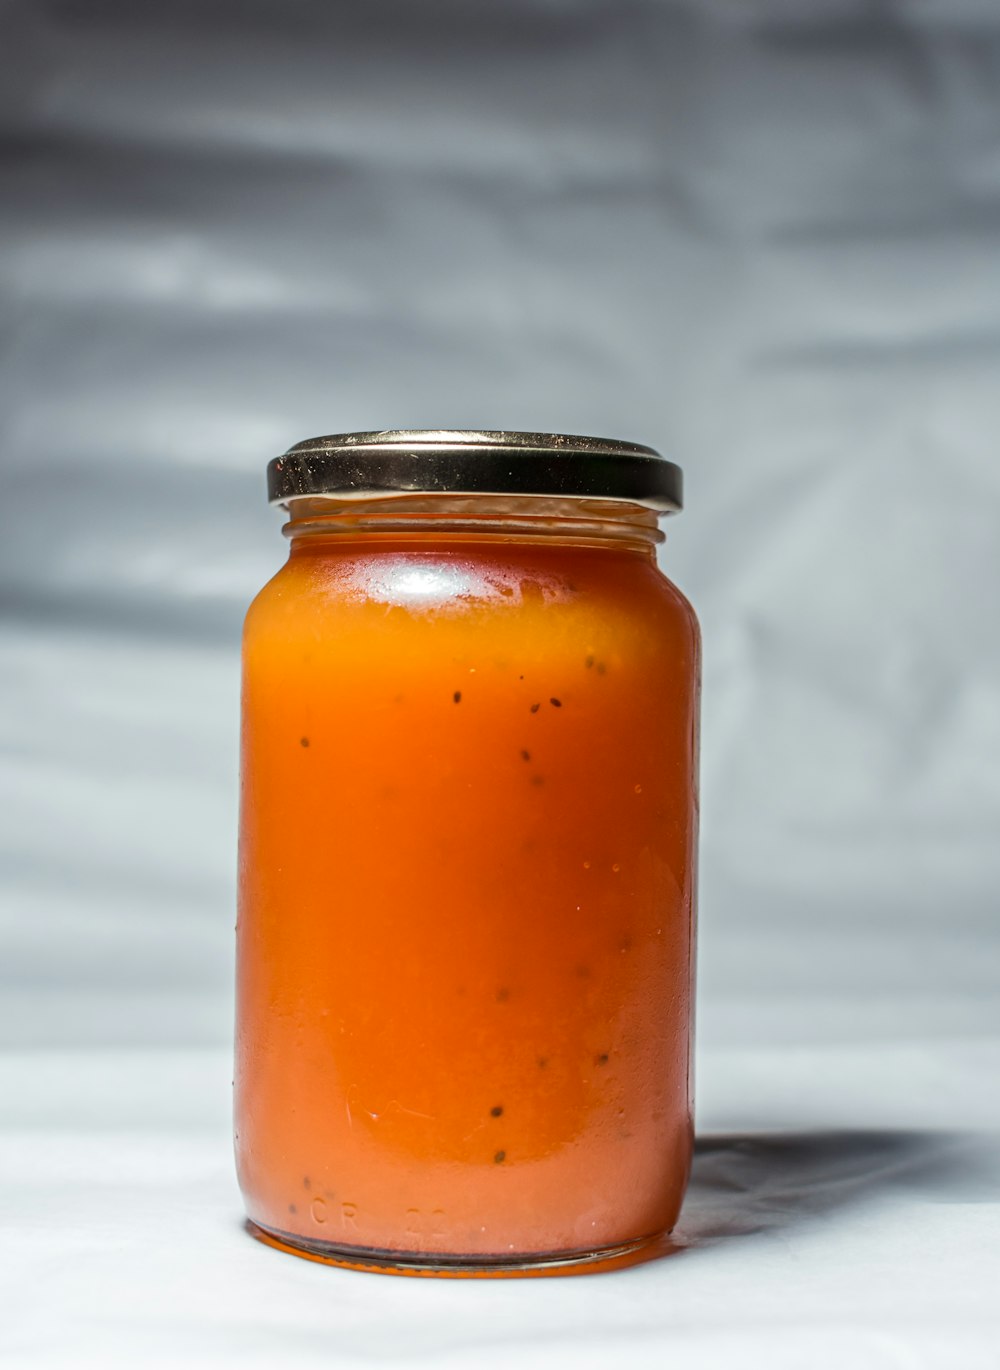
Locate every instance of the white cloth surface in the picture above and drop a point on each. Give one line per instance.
(844, 1212)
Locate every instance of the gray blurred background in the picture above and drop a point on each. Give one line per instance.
(762, 235)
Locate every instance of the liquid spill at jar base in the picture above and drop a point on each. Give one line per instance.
(467, 855)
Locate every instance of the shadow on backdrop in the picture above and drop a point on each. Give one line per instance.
(745, 1184)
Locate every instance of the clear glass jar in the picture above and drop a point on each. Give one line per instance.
(467, 858)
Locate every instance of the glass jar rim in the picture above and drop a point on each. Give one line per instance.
(406, 461)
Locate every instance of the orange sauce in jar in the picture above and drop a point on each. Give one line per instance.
(466, 890)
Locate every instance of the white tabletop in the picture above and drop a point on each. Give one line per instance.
(843, 1212)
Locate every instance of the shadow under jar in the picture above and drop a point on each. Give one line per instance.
(467, 858)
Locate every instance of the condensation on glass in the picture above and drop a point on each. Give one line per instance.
(467, 858)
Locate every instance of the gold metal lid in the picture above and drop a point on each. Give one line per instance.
(355, 466)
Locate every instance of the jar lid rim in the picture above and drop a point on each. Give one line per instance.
(474, 461)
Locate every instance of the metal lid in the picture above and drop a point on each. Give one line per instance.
(400, 461)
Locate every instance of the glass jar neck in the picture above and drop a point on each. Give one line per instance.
(514, 518)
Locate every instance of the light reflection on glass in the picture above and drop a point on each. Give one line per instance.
(418, 582)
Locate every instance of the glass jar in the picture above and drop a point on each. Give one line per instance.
(467, 858)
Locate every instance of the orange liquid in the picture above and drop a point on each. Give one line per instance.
(466, 899)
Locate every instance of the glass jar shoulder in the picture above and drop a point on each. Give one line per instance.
(676, 606)
(267, 602)
(489, 587)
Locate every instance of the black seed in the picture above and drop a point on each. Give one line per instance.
(583, 972)
(503, 995)
(542, 1062)
(601, 668)
(538, 780)
(457, 696)
(601, 1060)
(525, 756)
(303, 742)
(556, 703)
(292, 1208)
(306, 1182)
(500, 1156)
(535, 708)
(496, 1111)
(589, 662)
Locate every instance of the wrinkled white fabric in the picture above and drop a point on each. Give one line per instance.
(843, 1211)
(762, 236)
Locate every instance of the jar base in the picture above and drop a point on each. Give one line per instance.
(427, 1263)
